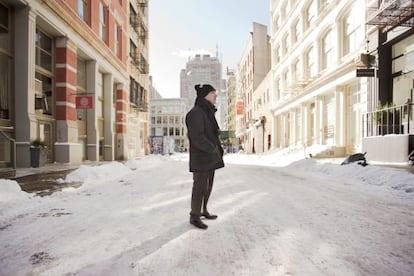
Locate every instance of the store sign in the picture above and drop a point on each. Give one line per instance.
(84, 102)
(365, 72)
(239, 108)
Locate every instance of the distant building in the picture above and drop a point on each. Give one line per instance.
(231, 92)
(253, 67)
(153, 92)
(136, 134)
(199, 70)
(167, 123)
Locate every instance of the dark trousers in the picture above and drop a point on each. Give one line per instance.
(202, 186)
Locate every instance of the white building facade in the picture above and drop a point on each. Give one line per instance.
(167, 123)
(317, 98)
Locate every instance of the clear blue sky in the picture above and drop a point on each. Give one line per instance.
(179, 28)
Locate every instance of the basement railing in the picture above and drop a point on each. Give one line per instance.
(389, 120)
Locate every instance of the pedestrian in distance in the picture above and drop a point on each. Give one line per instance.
(206, 153)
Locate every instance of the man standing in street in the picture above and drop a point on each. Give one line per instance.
(206, 153)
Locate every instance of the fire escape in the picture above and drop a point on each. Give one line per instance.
(391, 14)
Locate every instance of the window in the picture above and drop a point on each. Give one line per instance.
(5, 78)
(142, 34)
(311, 14)
(43, 51)
(132, 51)
(137, 95)
(298, 71)
(5, 63)
(102, 22)
(43, 75)
(4, 28)
(276, 54)
(297, 30)
(353, 30)
(323, 4)
(328, 48)
(132, 16)
(311, 64)
(117, 40)
(286, 44)
(143, 66)
(83, 11)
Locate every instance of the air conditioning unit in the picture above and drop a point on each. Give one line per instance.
(38, 87)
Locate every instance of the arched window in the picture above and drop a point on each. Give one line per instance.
(311, 63)
(328, 50)
(353, 30)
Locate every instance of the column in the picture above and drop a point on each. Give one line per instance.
(92, 139)
(67, 148)
(319, 120)
(24, 84)
(340, 118)
(109, 115)
(305, 125)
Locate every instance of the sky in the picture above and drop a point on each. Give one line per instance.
(182, 28)
(278, 214)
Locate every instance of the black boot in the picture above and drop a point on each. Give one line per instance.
(207, 215)
(198, 223)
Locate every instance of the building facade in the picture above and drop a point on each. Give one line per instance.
(200, 69)
(316, 46)
(253, 67)
(66, 72)
(167, 125)
(388, 132)
(135, 139)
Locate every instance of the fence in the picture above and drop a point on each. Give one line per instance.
(389, 120)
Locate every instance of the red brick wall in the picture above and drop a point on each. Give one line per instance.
(65, 77)
(121, 109)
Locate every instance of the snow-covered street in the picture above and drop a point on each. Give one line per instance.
(307, 218)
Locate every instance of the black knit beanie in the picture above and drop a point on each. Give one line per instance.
(203, 89)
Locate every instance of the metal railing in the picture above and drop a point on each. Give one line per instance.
(389, 120)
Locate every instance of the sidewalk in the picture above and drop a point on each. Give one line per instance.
(44, 180)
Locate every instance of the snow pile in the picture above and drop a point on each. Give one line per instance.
(372, 175)
(11, 191)
(98, 174)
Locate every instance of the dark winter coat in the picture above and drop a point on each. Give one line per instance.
(206, 153)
